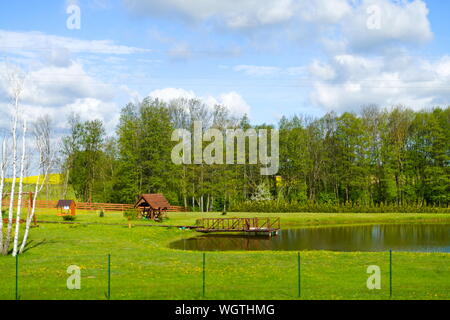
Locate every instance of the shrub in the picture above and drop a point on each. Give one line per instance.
(131, 214)
(101, 213)
(310, 207)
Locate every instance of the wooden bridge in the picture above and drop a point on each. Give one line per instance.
(269, 226)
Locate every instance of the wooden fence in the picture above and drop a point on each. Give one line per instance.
(111, 207)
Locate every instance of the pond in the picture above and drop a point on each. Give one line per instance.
(362, 238)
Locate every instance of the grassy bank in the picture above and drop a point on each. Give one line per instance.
(144, 268)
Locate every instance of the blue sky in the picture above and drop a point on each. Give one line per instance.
(267, 58)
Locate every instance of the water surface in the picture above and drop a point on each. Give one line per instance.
(363, 238)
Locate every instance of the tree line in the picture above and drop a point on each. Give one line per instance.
(376, 157)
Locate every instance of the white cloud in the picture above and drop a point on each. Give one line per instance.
(324, 11)
(169, 94)
(56, 86)
(385, 81)
(235, 102)
(93, 109)
(233, 13)
(231, 100)
(402, 21)
(87, 108)
(28, 43)
(322, 71)
(57, 82)
(59, 91)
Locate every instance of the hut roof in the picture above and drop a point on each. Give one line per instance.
(156, 201)
(65, 203)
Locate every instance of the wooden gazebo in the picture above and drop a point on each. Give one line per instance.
(66, 208)
(152, 206)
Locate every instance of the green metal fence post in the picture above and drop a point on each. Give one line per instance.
(390, 273)
(204, 274)
(299, 276)
(109, 276)
(17, 277)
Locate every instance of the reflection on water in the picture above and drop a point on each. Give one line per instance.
(369, 238)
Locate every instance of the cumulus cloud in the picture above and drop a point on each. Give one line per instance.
(86, 108)
(394, 22)
(60, 91)
(56, 86)
(400, 20)
(57, 82)
(231, 100)
(235, 102)
(233, 13)
(324, 11)
(169, 94)
(351, 81)
(93, 109)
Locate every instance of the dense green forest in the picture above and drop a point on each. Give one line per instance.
(378, 157)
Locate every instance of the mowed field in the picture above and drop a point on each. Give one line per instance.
(143, 267)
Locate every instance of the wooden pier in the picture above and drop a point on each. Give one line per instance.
(269, 226)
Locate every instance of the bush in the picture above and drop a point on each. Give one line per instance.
(131, 214)
(69, 218)
(101, 213)
(295, 207)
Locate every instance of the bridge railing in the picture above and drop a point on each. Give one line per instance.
(239, 224)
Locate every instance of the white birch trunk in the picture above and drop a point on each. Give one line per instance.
(2, 185)
(19, 198)
(31, 216)
(13, 183)
(45, 163)
(38, 189)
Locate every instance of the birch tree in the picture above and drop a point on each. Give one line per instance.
(19, 198)
(42, 134)
(46, 158)
(16, 81)
(3, 166)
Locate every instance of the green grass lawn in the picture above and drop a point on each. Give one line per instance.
(143, 267)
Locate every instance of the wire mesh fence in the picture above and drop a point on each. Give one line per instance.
(225, 275)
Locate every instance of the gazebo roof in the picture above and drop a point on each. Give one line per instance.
(156, 201)
(64, 203)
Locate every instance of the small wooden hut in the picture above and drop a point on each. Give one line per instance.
(152, 206)
(66, 208)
